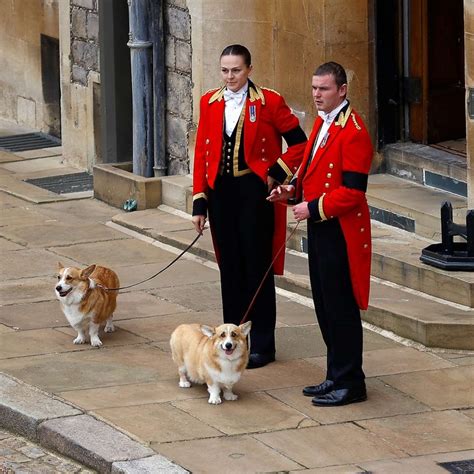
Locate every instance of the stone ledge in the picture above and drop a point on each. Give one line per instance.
(152, 465)
(115, 183)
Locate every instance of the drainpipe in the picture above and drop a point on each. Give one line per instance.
(142, 88)
(159, 91)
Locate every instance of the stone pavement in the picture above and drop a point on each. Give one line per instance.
(84, 402)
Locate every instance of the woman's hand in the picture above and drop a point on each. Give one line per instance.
(199, 223)
(281, 193)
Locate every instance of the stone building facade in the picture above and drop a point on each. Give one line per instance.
(287, 38)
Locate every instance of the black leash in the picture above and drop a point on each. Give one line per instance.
(246, 315)
(157, 273)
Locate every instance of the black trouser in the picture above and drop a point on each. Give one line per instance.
(242, 224)
(336, 309)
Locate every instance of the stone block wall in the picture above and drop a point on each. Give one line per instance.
(84, 40)
(179, 109)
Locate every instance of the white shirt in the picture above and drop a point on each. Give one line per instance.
(328, 119)
(234, 101)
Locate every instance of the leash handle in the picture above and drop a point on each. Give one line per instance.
(246, 315)
(156, 274)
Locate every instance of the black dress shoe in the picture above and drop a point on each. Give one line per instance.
(260, 360)
(317, 390)
(342, 396)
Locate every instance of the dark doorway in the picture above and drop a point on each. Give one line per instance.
(420, 70)
(50, 83)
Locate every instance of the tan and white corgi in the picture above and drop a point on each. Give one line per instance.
(214, 356)
(85, 302)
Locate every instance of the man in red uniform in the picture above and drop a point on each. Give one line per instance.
(330, 191)
(238, 159)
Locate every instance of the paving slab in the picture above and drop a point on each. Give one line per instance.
(422, 464)
(91, 368)
(327, 441)
(425, 433)
(441, 389)
(160, 422)
(383, 401)
(20, 215)
(35, 342)
(119, 337)
(90, 441)
(290, 313)
(4, 329)
(159, 328)
(7, 246)
(44, 314)
(53, 233)
(279, 374)
(27, 290)
(458, 358)
(8, 201)
(252, 412)
(29, 263)
(140, 304)
(23, 408)
(236, 454)
(34, 166)
(40, 153)
(150, 465)
(132, 394)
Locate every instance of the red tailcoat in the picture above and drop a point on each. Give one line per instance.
(334, 184)
(267, 119)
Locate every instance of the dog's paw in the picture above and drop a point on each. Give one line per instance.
(96, 342)
(109, 327)
(230, 396)
(184, 384)
(79, 340)
(214, 400)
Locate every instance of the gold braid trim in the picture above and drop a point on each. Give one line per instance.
(287, 170)
(355, 122)
(199, 196)
(218, 95)
(343, 118)
(321, 208)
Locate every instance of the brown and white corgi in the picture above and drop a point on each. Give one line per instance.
(214, 356)
(85, 302)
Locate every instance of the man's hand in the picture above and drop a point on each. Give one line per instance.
(271, 182)
(281, 193)
(199, 223)
(301, 211)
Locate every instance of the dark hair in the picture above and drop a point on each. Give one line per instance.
(335, 69)
(238, 50)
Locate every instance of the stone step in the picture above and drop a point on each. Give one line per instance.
(411, 206)
(427, 165)
(408, 313)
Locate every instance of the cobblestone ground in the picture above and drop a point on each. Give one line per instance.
(18, 455)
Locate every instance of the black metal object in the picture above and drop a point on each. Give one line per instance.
(450, 255)
(28, 141)
(65, 183)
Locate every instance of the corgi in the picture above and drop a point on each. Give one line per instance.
(85, 302)
(213, 356)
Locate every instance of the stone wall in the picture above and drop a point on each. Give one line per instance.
(84, 39)
(21, 84)
(179, 110)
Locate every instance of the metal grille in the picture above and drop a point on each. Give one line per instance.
(28, 141)
(68, 183)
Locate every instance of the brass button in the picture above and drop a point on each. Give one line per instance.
(362, 229)
(229, 144)
(326, 185)
(264, 139)
(359, 214)
(331, 165)
(329, 175)
(228, 157)
(366, 245)
(207, 164)
(263, 150)
(229, 150)
(206, 176)
(207, 141)
(207, 153)
(264, 159)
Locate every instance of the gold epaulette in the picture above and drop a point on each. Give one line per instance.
(218, 94)
(355, 122)
(343, 118)
(256, 93)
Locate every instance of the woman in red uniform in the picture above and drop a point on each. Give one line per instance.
(238, 159)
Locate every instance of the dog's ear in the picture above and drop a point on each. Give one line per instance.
(245, 328)
(86, 273)
(60, 266)
(207, 330)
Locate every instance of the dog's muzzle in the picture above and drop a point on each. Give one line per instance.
(62, 293)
